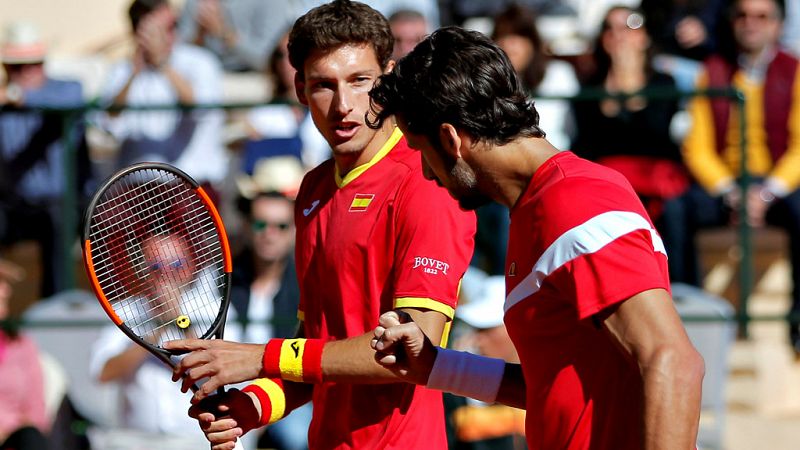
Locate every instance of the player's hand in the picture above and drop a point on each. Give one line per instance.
(401, 346)
(226, 417)
(222, 362)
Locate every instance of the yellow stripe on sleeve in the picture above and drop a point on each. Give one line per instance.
(424, 303)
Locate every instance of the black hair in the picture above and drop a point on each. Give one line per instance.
(141, 8)
(602, 60)
(458, 77)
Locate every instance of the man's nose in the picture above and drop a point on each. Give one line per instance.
(343, 101)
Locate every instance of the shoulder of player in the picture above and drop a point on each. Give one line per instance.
(578, 192)
(315, 176)
(404, 157)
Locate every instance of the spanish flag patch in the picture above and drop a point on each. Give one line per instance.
(361, 202)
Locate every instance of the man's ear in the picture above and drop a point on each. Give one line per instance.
(451, 141)
(300, 88)
(389, 66)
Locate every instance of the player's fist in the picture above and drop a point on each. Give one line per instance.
(226, 417)
(401, 346)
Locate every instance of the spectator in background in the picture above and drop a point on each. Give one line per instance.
(284, 127)
(472, 424)
(265, 291)
(238, 32)
(770, 81)
(32, 151)
(631, 134)
(684, 32)
(152, 402)
(428, 8)
(409, 27)
(23, 421)
(162, 72)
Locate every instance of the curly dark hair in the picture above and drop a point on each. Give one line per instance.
(338, 23)
(458, 77)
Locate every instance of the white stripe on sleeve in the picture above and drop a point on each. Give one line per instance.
(584, 239)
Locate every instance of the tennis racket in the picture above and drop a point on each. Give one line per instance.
(157, 257)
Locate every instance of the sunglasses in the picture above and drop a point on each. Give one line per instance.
(261, 225)
(759, 17)
(168, 266)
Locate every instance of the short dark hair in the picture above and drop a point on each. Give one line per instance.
(141, 8)
(458, 77)
(338, 23)
(779, 4)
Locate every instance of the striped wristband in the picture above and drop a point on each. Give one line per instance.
(466, 374)
(269, 392)
(294, 360)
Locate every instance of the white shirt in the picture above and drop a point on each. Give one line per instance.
(203, 156)
(555, 116)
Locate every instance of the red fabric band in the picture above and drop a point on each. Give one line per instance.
(312, 361)
(271, 367)
(266, 402)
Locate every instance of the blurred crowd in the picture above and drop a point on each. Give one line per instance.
(595, 70)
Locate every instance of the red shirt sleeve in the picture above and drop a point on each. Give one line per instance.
(618, 271)
(435, 240)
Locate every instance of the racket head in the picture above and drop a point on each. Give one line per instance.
(157, 256)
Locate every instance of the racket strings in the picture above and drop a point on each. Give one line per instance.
(158, 258)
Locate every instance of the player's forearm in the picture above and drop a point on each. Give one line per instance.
(353, 361)
(672, 392)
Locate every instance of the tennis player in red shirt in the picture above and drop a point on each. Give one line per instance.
(369, 240)
(605, 360)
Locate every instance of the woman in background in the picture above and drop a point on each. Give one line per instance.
(23, 420)
(630, 133)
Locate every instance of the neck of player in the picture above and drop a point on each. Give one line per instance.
(508, 169)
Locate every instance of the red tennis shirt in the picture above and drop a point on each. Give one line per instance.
(580, 241)
(381, 238)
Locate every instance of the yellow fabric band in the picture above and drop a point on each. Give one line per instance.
(291, 362)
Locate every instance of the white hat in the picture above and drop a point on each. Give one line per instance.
(22, 44)
(484, 306)
(273, 174)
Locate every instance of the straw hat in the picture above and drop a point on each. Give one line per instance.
(274, 174)
(22, 44)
